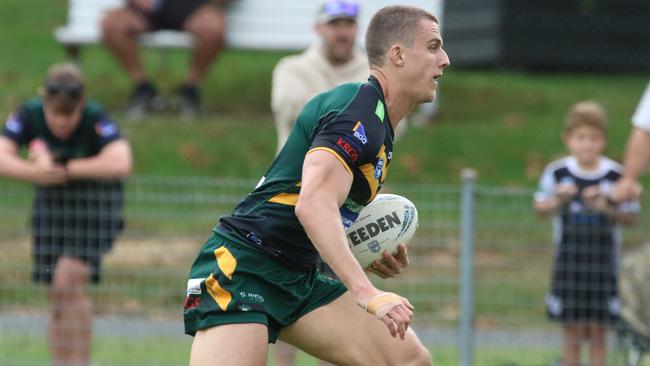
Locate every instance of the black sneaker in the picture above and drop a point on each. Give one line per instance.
(144, 98)
(189, 102)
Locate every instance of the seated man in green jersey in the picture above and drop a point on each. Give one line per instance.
(256, 280)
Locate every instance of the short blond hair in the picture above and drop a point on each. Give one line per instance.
(63, 87)
(586, 113)
(390, 25)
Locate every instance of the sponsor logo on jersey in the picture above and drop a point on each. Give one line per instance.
(347, 147)
(380, 111)
(378, 168)
(347, 216)
(360, 133)
(105, 128)
(374, 228)
(14, 125)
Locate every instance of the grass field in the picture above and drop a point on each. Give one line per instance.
(161, 351)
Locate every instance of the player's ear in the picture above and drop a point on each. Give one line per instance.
(396, 55)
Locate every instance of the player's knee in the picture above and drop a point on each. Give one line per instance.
(422, 357)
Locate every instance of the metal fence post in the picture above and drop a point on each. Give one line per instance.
(466, 326)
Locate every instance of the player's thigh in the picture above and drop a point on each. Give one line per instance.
(344, 334)
(230, 344)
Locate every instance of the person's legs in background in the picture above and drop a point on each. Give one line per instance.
(572, 334)
(120, 31)
(597, 337)
(208, 25)
(70, 327)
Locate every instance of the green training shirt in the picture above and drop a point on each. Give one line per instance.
(349, 121)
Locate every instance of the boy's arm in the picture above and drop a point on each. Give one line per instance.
(546, 207)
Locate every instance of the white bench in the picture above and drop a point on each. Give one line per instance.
(252, 24)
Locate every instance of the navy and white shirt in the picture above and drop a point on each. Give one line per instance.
(575, 213)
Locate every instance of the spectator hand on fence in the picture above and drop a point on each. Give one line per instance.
(595, 200)
(47, 172)
(626, 189)
(565, 191)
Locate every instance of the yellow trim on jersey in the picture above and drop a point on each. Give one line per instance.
(226, 261)
(221, 296)
(368, 171)
(356, 126)
(335, 154)
(290, 199)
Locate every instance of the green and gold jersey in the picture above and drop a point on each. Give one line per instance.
(350, 122)
(95, 130)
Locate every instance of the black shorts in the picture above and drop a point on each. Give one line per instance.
(79, 220)
(170, 14)
(584, 286)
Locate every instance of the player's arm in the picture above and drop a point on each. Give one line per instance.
(326, 182)
(113, 161)
(13, 166)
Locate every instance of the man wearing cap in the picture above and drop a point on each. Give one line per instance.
(331, 61)
(76, 160)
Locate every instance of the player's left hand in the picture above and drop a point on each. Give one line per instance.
(391, 264)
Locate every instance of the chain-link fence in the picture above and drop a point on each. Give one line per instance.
(499, 319)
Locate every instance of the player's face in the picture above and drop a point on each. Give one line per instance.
(338, 39)
(61, 124)
(586, 144)
(424, 62)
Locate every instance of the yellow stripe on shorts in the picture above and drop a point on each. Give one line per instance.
(226, 261)
(221, 296)
(227, 264)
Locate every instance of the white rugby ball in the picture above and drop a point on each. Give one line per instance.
(381, 226)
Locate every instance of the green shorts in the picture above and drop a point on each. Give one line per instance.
(231, 283)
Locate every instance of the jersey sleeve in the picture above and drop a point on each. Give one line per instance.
(106, 129)
(17, 127)
(353, 142)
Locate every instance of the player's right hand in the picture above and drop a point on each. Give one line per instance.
(393, 310)
(49, 175)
